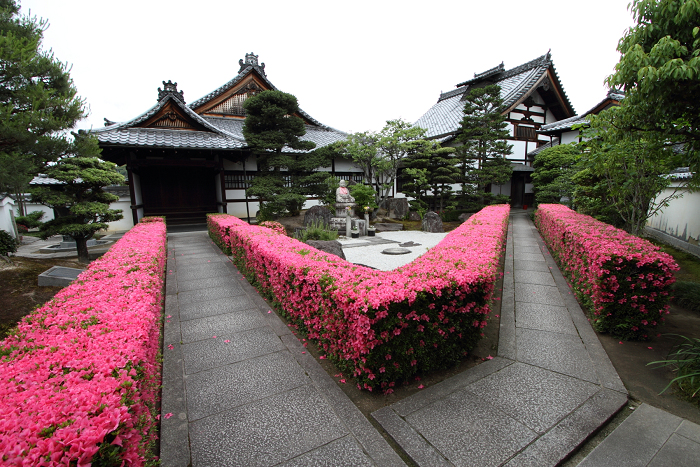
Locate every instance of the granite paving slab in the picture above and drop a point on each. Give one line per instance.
(216, 351)
(213, 391)
(234, 321)
(529, 265)
(265, 432)
(533, 293)
(226, 279)
(544, 318)
(535, 277)
(212, 293)
(215, 307)
(529, 256)
(344, 451)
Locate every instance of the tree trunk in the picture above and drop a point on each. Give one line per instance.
(83, 254)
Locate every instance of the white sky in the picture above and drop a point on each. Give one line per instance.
(352, 65)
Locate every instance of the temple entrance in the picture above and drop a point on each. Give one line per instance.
(184, 195)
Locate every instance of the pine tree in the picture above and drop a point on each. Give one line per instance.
(484, 149)
(79, 200)
(38, 101)
(437, 166)
(284, 178)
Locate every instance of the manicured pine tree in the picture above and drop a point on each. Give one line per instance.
(79, 200)
(484, 149)
(271, 125)
(439, 168)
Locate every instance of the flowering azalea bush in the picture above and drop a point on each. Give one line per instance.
(80, 374)
(380, 326)
(276, 226)
(624, 281)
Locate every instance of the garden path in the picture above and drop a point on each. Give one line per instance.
(239, 388)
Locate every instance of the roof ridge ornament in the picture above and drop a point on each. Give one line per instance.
(251, 60)
(170, 89)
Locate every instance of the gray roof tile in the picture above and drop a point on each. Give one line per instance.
(445, 117)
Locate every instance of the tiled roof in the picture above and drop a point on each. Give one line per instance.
(567, 123)
(445, 117)
(127, 133)
(534, 152)
(43, 179)
(225, 133)
(321, 135)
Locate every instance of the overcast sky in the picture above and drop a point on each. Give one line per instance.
(352, 65)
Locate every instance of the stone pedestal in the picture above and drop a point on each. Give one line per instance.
(341, 209)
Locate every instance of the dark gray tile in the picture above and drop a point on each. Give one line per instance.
(470, 432)
(205, 328)
(200, 259)
(677, 452)
(563, 353)
(215, 307)
(640, 436)
(345, 452)
(215, 352)
(544, 318)
(527, 265)
(533, 293)
(200, 271)
(266, 432)
(226, 279)
(534, 277)
(213, 391)
(203, 295)
(537, 398)
(528, 256)
(689, 430)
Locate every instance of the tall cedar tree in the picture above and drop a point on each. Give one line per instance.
(38, 101)
(284, 178)
(79, 200)
(659, 70)
(433, 170)
(484, 149)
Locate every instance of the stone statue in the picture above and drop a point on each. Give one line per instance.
(342, 194)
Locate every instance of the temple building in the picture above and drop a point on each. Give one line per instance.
(186, 160)
(532, 97)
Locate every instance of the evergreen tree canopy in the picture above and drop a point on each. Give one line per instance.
(38, 101)
(285, 178)
(483, 136)
(434, 170)
(554, 168)
(80, 202)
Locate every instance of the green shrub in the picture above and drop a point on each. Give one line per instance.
(687, 295)
(31, 220)
(318, 230)
(7, 243)
(364, 196)
(686, 360)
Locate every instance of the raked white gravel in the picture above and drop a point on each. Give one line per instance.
(371, 254)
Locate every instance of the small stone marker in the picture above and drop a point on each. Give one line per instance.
(409, 244)
(58, 276)
(396, 251)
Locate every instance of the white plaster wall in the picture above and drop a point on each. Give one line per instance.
(569, 137)
(126, 222)
(519, 150)
(550, 117)
(681, 218)
(31, 207)
(7, 206)
(345, 165)
(501, 189)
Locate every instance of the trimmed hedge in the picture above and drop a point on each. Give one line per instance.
(381, 327)
(623, 281)
(81, 375)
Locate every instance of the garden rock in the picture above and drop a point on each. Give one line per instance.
(414, 216)
(398, 207)
(464, 216)
(317, 215)
(332, 247)
(432, 223)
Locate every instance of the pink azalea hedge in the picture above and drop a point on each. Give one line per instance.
(80, 375)
(381, 327)
(623, 280)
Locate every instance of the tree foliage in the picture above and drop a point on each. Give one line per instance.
(483, 136)
(554, 168)
(380, 155)
(79, 200)
(633, 166)
(433, 170)
(38, 101)
(273, 131)
(659, 70)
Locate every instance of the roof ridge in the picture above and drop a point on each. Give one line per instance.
(499, 74)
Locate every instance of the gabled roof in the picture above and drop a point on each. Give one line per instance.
(612, 99)
(170, 123)
(214, 121)
(443, 120)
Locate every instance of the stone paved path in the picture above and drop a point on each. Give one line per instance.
(241, 389)
(550, 387)
(251, 396)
